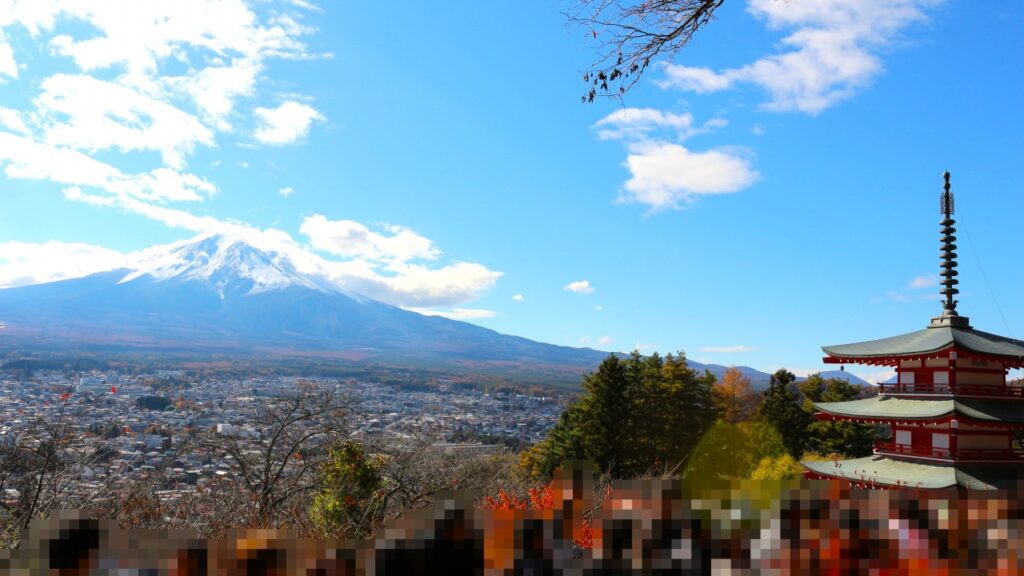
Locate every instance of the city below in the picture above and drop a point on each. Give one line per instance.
(147, 422)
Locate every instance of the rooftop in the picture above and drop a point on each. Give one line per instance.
(887, 408)
(932, 340)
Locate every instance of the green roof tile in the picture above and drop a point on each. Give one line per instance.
(891, 472)
(932, 339)
(888, 407)
(887, 471)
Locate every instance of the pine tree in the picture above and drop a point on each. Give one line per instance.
(781, 408)
(604, 414)
(828, 437)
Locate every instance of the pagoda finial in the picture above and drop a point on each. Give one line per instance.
(949, 315)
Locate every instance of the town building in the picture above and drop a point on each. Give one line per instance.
(952, 416)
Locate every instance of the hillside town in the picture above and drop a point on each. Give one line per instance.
(143, 421)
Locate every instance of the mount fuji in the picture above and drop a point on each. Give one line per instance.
(220, 295)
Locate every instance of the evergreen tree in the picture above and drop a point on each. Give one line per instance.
(604, 414)
(835, 437)
(636, 416)
(781, 408)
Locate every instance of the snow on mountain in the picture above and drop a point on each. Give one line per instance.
(226, 261)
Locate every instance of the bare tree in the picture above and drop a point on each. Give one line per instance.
(631, 34)
(275, 457)
(41, 466)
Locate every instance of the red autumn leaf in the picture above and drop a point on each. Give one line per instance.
(113, 389)
(65, 396)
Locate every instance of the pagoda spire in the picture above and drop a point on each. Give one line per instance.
(949, 315)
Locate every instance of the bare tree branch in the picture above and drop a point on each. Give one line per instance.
(630, 35)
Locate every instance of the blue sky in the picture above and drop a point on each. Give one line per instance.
(773, 189)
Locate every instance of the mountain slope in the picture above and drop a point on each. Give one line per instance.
(220, 294)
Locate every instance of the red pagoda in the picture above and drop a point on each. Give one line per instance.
(951, 413)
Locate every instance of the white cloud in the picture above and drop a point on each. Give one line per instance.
(644, 347)
(89, 114)
(579, 287)
(169, 77)
(286, 191)
(23, 263)
(727, 349)
(584, 340)
(351, 239)
(604, 340)
(12, 120)
(599, 308)
(417, 286)
(8, 65)
(667, 175)
(518, 297)
(304, 4)
(638, 122)
(456, 313)
(285, 124)
(832, 52)
(24, 158)
(215, 89)
(924, 282)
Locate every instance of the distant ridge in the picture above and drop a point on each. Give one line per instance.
(218, 295)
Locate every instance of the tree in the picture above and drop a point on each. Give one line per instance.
(631, 35)
(603, 412)
(734, 397)
(42, 463)
(734, 451)
(277, 460)
(832, 437)
(637, 416)
(351, 487)
(781, 408)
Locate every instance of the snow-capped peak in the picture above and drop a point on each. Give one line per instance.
(227, 261)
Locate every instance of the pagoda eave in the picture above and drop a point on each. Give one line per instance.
(895, 359)
(946, 419)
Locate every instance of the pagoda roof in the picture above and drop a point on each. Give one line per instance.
(890, 472)
(887, 471)
(929, 341)
(890, 408)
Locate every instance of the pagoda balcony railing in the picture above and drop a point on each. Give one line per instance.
(926, 389)
(883, 447)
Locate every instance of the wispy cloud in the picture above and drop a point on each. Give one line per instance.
(348, 238)
(25, 263)
(286, 191)
(924, 282)
(141, 88)
(456, 313)
(518, 297)
(579, 287)
(727, 349)
(832, 52)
